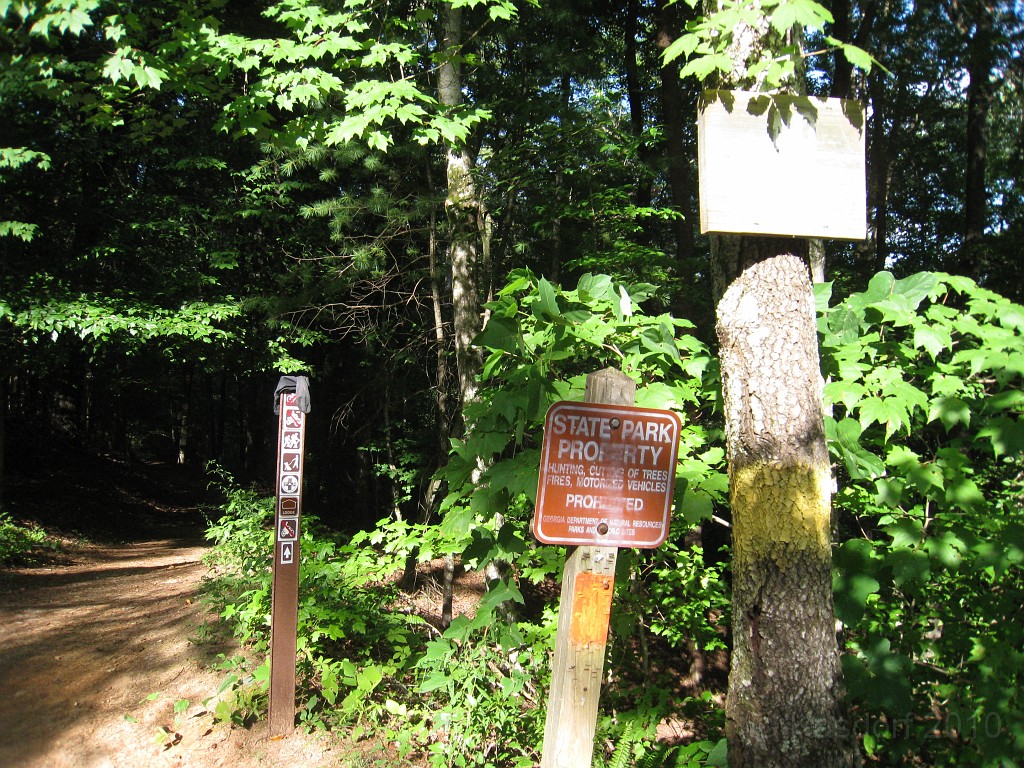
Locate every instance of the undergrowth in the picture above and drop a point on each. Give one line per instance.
(926, 437)
(22, 543)
(472, 694)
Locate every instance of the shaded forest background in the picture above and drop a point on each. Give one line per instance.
(173, 257)
(196, 197)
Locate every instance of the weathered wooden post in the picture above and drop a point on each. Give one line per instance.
(607, 471)
(291, 403)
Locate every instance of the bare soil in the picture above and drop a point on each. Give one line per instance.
(98, 643)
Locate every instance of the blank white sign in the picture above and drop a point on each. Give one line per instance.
(782, 165)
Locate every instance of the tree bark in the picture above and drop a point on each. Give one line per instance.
(676, 113)
(785, 704)
(980, 92)
(3, 434)
(874, 252)
(635, 97)
(463, 207)
(428, 491)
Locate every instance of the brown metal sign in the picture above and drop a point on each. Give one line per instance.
(284, 611)
(606, 476)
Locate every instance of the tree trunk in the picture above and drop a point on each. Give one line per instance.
(463, 207)
(464, 215)
(980, 92)
(676, 113)
(182, 419)
(874, 252)
(561, 194)
(635, 97)
(3, 434)
(785, 703)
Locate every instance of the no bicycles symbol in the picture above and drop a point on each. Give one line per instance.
(287, 530)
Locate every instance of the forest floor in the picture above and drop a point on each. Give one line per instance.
(107, 648)
(100, 640)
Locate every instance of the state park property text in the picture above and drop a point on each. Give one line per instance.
(607, 474)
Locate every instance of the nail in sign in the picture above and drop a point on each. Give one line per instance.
(607, 475)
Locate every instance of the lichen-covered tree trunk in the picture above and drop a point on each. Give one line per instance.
(465, 216)
(463, 207)
(785, 703)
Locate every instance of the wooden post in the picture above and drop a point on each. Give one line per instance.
(292, 408)
(588, 583)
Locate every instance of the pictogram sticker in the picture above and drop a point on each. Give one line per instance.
(287, 530)
(289, 506)
(289, 484)
(290, 462)
(287, 553)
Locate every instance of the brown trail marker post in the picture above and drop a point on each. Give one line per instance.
(606, 479)
(291, 403)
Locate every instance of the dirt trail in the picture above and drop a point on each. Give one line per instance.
(83, 644)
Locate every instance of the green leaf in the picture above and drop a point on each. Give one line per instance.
(804, 13)
(1006, 434)
(845, 392)
(500, 333)
(546, 305)
(593, 288)
(369, 677)
(18, 229)
(853, 579)
(932, 339)
(845, 324)
(718, 757)
(858, 57)
(822, 296)
(947, 549)
(924, 476)
(905, 532)
(695, 507)
(964, 493)
(888, 411)
(703, 67)
(951, 411)
(845, 437)
(909, 566)
(433, 681)
(457, 521)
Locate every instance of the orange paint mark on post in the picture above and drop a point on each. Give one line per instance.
(592, 609)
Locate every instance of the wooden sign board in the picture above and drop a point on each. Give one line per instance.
(777, 164)
(607, 474)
